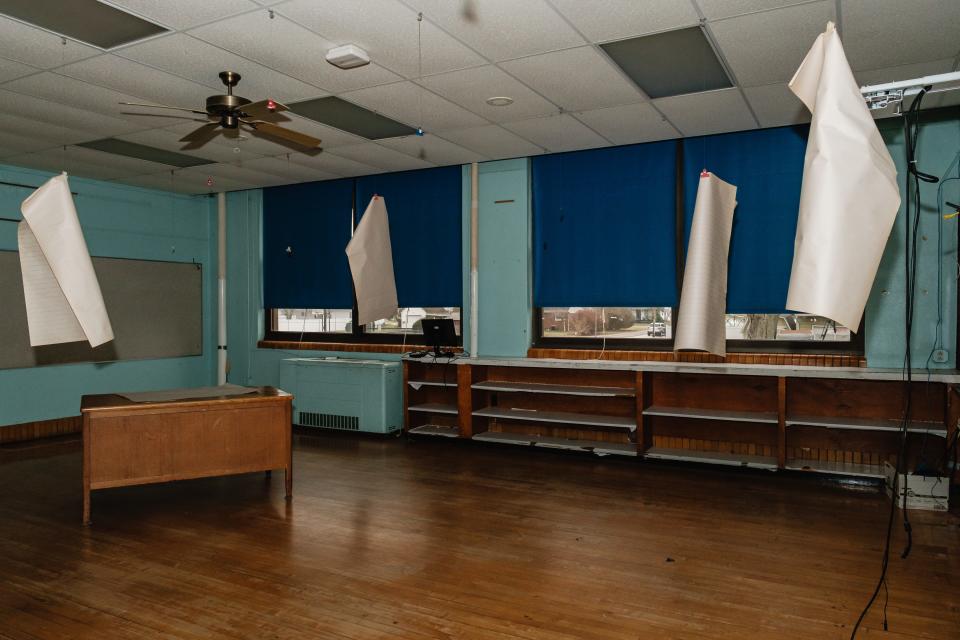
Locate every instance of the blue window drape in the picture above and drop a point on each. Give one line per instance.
(605, 227)
(425, 212)
(767, 168)
(312, 219)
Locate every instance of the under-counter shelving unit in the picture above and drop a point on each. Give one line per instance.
(812, 419)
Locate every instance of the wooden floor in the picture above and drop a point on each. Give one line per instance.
(387, 539)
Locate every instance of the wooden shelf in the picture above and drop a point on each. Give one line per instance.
(416, 384)
(836, 468)
(560, 389)
(713, 457)
(598, 447)
(436, 430)
(614, 422)
(769, 417)
(434, 407)
(866, 424)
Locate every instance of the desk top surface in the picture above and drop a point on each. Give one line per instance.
(114, 401)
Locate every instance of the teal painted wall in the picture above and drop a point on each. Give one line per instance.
(123, 222)
(937, 149)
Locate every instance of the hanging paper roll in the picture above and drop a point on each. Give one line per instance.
(60, 287)
(701, 321)
(849, 198)
(371, 264)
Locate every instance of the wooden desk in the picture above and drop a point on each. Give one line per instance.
(129, 443)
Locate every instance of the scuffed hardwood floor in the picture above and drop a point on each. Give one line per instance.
(388, 539)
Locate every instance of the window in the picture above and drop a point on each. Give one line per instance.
(312, 320)
(407, 320)
(337, 324)
(607, 322)
(785, 327)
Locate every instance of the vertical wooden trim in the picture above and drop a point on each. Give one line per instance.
(406, 396)
(644, 424)
(288, 472)
(781, 422)
(465, 399)
(951, 416)
(85, 481)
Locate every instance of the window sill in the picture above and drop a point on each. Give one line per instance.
(791, 359)
(351, 347)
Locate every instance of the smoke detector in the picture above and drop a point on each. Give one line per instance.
(349, 56)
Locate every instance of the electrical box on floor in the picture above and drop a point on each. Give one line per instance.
(924, 493)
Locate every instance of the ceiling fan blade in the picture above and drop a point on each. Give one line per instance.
(162, 106)
(262, 108)
(273, 131)
(201, 135)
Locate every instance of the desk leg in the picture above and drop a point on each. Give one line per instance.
(288, 472)
(268, 474)
(86, 470)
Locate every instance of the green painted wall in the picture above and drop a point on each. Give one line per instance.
(123, 222)
(937, 149)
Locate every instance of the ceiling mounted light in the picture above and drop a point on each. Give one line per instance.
(349, 56)
(499, 101)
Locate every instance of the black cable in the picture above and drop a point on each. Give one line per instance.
(912, 183)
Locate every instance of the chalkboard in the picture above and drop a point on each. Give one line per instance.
(156, 309)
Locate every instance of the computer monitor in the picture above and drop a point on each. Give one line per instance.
(439, 332)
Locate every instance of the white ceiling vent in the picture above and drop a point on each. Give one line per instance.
(348, 56)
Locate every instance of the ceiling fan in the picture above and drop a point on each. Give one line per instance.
(228, 114)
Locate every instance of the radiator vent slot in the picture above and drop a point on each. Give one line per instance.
(328, 421)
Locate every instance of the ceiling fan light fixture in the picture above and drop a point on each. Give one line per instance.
(500, 101)
(348, 56)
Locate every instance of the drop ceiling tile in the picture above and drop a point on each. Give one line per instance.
(197, 179)
(135, 79)
(39, 48)
(886, 33)
(718, 9)
(183, 14)
(406, 101)
(629, 123)
(51, 161)
(776, 106)
(86, 163)
(199, 61)
(162, 182)
(602, 20)
(170, 140)
(56, 134)
(471, 87)
(433, 149)
(495, 33)
(12, 144)
(289, 48)
(330, 137)
(10, 69)
(903, 72)
(763, 48)
(493, 141)
(558, 133)
(387, 31)
(598, 82)
(326, 163)
(59, 114)
(287, 169)
(238, 173)
(83, 95)
(698, 114)
(381, 157)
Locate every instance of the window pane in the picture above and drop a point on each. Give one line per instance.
(407, 320)
(609, 322)
(789, 327)
(312, 320)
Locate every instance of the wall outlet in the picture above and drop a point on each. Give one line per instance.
(941, 355)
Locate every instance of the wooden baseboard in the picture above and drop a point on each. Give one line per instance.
(794, 359)
(41, 429)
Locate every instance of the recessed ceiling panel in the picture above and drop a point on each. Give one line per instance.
(144, 152)
(671, 63)
(349, 117)
(85, 20)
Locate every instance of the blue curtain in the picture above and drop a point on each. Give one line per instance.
(767, 168)
(313, 219)
(425, 212)
(605, 227)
